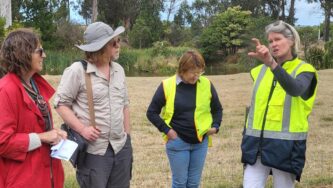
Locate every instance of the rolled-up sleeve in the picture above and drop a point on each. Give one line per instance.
(69, 86)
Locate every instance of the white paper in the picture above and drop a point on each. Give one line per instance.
(64, 149)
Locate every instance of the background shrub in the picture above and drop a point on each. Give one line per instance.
(315, 56)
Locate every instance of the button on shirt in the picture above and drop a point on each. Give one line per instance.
(109, 97)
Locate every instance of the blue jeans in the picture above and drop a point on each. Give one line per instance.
(186, 162)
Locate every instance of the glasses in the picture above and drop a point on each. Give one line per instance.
(197, 73)
(115, 42)
(279, 26)
(40, 51)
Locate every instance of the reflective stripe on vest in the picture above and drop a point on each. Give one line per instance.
(284, 133)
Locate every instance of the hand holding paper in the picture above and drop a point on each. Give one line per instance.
(64, 149)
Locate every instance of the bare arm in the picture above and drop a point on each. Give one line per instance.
(127, 126)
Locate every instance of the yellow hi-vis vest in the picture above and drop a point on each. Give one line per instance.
(202, 116)
(286, 117)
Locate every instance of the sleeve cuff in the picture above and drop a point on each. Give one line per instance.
(34, 141)
(217, 128)
(166, 130)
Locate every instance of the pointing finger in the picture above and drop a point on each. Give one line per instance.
(256, 41)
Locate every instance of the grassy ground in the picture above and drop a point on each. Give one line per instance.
(223, 167)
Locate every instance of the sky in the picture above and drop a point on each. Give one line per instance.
(307, 14)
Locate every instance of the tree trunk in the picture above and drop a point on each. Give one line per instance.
(94, 11)
(327, 9)
(282, 8)
(291, 16)
(6, 11)
(170, 9)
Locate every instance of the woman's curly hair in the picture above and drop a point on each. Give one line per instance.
(16, 51)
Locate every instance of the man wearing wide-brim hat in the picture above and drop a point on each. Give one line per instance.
(108, 161)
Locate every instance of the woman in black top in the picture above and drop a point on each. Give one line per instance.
(191, 112)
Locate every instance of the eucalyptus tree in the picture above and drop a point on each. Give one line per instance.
(85, 9)
(291, 17)
(204, 10)
(119, 12)
(327, 6)
(148, 23)
(170, 6)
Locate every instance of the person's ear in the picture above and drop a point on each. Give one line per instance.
(291, 43)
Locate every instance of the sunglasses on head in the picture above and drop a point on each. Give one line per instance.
(40, 51)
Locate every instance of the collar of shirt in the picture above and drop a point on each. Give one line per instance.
(178, 80)
(92, 68)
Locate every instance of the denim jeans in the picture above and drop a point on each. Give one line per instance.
(186, 162)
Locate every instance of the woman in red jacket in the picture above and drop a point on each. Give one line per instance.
(26, 129)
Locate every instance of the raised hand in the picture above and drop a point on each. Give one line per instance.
(262, 53)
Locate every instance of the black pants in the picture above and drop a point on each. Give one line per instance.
(108, 171)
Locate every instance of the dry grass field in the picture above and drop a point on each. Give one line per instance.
(223, 167)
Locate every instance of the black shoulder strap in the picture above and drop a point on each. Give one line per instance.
(84, 64)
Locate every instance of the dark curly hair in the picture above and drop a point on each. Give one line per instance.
(16, 51)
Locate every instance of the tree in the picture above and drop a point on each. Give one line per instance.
(85, 9)
(308, 36)
(203, 11)
(112, 12)
(16, 6)
(94, 10)
(41, 15)
(172, 6)
(140, 36)
(327, 5)
(225, 33)
(150, 17)
(291, 17)
(256, 7)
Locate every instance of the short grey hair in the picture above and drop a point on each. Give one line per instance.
(286, 30)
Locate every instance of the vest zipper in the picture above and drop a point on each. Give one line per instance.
(264, 120)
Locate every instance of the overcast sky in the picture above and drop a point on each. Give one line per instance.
(308, 14)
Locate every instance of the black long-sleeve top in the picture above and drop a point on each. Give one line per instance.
(183, 118)
(303, 85)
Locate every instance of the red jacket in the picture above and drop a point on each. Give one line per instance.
(20, 116)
